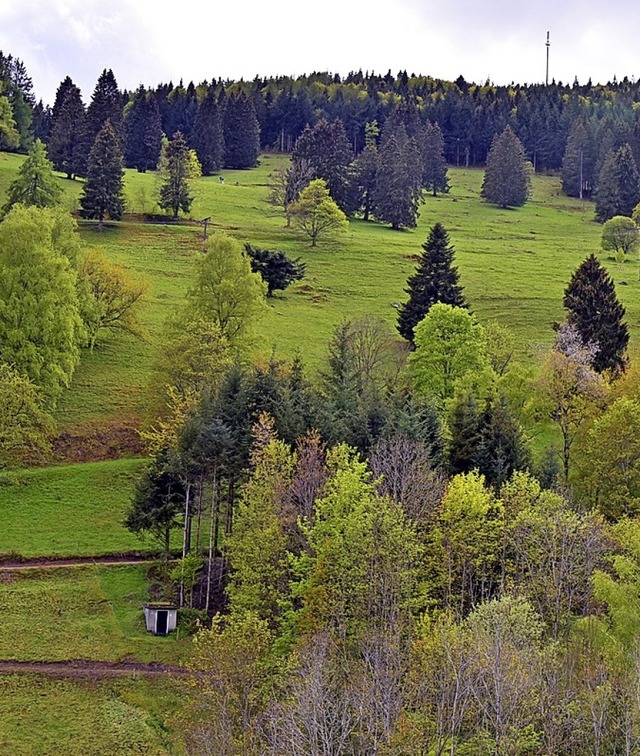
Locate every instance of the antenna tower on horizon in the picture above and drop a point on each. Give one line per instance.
(548, 45)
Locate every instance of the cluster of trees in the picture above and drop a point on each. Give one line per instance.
(385, 180)
(55, 299)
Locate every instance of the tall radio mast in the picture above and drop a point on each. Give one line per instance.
(548, 45)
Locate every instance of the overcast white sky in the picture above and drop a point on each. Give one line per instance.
(149, 41)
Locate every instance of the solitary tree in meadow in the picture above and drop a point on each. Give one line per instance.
(435, 280)
(507, 177)
(316, 214)
(620, 235)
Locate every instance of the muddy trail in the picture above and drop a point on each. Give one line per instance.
(83, 669)
(49, 563)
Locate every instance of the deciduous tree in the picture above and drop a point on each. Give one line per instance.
(316, 214)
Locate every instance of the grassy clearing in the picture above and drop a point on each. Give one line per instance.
(80, 613)
(71, 510)
(48, 717)
(514, 265)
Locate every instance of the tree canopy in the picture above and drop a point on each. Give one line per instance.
(507, 177)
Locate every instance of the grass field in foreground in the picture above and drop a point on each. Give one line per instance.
(47, 717)
(80, 613)
(72, 510)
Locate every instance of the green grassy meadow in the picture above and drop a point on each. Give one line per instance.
(89, 612)
(71, 510)
(44, 716)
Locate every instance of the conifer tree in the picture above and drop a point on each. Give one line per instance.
(363, 173)
(66, 142)
(36, 185)
(597, 315)
(106, 105)
(435, 280)
(178, 166)
(398, 181)
(501, 448)
(143, 132)
(207, 138)
(102, 195)
(464, 431)
(618, 190)
(434, 172)
(241, 132)
(507, 177)
(325, 148)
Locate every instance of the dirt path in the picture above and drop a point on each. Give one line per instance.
(44, 563)
(82, 669)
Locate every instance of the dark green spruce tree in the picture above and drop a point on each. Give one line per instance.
(241, 132)
(277, 270)
(594, 309)
(106, 105)
(363, 172)
(464, 434)
(398, 189)
(143, 132)
(435, 280)
(618, 190)
(434, 170)
(207, 137)
(507, 177)
(66, 141)
(578, 163)
(102, 195)
(501, 446)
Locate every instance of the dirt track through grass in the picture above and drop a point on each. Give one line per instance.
(79, 669)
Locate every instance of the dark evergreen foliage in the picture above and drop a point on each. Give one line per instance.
(106, 105)
(66, 142)
(464, 429)
(507, 177)
(362, 180)
(208, 137)
(618, 190)
(578, 163)
(277, 270)
(326, 150)
(594, 310)
(102, 192)
(143, 132)
(434, 171)
(175, 193)
(157, 502)
(398, 181)
(241, 132)
(501, 448)
(435, 280)
(41, 122)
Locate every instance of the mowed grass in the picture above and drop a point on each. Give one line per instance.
(88, 612)
(47, 717)
(70, 510)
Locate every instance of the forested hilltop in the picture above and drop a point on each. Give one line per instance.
(347, 372)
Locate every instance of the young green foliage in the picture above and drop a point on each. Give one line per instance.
(35, 185)
(316, 214)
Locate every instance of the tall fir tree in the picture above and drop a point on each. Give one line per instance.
(208, 137)
(435, 280)
(398, 181)
(178, 165)
(241, 132)
(106, 105)
(434, 171)
(143, 132)
(363, 172)
(35, 185)
(618, 190)
(507, 177)
(594, 310)
(66, 141)
(102, 195)
(501, 446)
